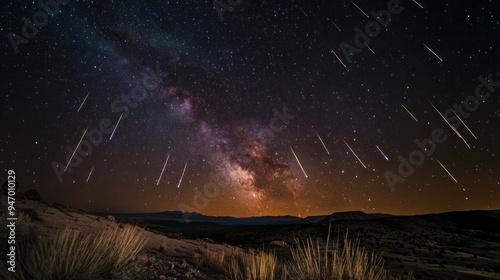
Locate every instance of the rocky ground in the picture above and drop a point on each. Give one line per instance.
(162, 258)
(446, 246)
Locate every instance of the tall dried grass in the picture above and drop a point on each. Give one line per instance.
(310, 260)
(71, 255)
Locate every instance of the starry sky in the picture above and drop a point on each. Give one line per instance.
(248, 108)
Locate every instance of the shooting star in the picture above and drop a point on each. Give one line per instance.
(83, 102)
(393, 57)
(301, 10)
(386, 158)
(323, 143)
(463, 123)
(360, 9)
(76, 148)
(182, 176)
(298, 161)
(414, 1)
(433, 52)
(447, 171)
(338, 28)
(339, 59)
(161, 174)
(89, 174)
(408, 111)
(116, 126)
(451, 126)
(354, 153)
(370, 48)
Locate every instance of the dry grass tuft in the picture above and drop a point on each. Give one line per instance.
(70, 255)
(352, 262)
(253, 266)
(214, 259)
(239, 265)
(309, 261)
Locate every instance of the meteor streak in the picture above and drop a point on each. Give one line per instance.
(360, 9)
(338, 28)
(298, 161)
(116, 126)
(386, 158)
(161, 174)
(451, 126)
(321, 140)
(302, 10)
(339, 58)
(83, 102)
(182, 176)
(354, 153)
(90, 174)
(447, 171)
(408, 111)
(432, 52)
(369, 48)
(463, 123)
(393, 57)
(76, 148)
(415, 1)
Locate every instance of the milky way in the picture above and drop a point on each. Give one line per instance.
(267, 108)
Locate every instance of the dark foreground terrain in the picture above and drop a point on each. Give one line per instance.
(454, 245)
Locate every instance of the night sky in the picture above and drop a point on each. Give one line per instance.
(264, 108)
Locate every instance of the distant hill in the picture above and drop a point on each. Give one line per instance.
(474, 220)
(180, 218)
(353, 215)
(470, 220)
(312, 219)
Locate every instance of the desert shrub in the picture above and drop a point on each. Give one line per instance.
(71, 255)
(352, 261)
(215, 259)
(309, 261)
(31, 213)
(24, 226)
(238, 265)
(257, 266)
(162, 248)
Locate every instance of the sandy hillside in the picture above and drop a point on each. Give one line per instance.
(162, 258)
